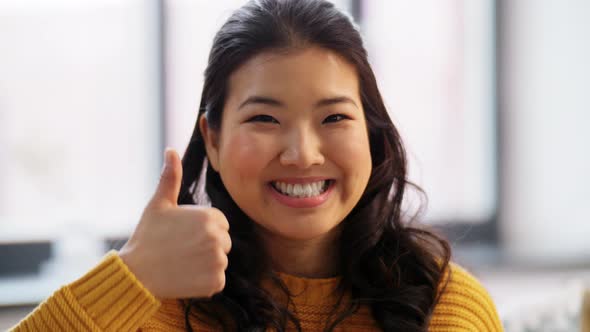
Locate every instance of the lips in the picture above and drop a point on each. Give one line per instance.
(309, 179)
(301, 193)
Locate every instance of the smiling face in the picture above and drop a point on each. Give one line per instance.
(293, 149)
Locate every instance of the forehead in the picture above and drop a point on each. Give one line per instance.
(297, 75)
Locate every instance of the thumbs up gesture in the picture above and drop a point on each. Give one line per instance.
(178, 251)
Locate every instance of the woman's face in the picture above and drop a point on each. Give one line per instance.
(293, 149)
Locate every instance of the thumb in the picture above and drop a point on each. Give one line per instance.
(170, 180)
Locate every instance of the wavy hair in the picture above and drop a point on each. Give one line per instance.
(387, 264)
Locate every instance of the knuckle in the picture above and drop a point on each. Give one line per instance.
(228, 243)
(222, 260)
(215, 213)
(211, 231)
(220, 282)
(216, 284)
(219, 217)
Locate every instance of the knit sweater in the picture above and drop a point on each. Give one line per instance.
(110, 298)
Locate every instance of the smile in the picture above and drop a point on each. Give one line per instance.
(302, 190)
(300, 193)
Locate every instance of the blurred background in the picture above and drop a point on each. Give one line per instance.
(492, 99)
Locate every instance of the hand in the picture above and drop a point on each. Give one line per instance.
(178, 251)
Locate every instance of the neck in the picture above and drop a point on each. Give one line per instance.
(312, 258)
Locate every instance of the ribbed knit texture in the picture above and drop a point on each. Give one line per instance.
(110, 298)
(107, 298)
(464, 306)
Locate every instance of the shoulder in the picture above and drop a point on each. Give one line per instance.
(464, 303)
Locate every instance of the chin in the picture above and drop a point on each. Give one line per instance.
(302, 233)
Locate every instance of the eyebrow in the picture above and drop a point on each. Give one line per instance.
(276, 103)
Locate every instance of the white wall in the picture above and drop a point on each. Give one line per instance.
(434, 64)
(79, 113)
(546, 119)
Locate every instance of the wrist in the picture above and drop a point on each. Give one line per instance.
(126, 257)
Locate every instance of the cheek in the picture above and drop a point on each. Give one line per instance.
(246, 150)
(352, 154)
(353, 150)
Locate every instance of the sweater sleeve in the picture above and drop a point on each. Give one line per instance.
(464, 305)
(107, 298)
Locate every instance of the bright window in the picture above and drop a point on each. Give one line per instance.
(434, 62)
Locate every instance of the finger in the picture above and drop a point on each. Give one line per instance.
(170, 180)
(226, 243)
(219, 217)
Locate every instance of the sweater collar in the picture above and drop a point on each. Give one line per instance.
(306, 291)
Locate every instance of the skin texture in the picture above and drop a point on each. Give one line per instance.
(295, 136)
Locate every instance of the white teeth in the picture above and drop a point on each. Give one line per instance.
(308, 190)
(298, 189)
(301, 189)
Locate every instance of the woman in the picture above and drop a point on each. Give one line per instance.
(305, 174)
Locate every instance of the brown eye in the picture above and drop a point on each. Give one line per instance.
(262, 118)
(335, 118)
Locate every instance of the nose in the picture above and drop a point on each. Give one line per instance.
(302, 149)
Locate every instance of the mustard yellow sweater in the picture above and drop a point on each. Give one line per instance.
(110, 298)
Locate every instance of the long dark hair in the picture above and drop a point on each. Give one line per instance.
(387, 264)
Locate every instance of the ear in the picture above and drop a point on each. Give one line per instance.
(211, 139)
